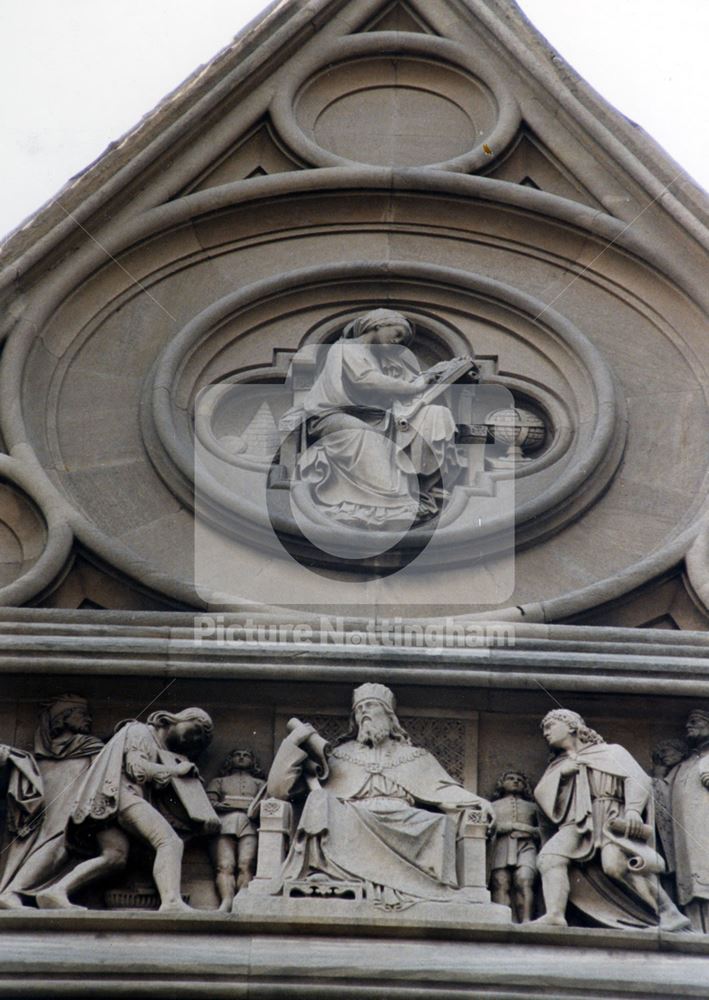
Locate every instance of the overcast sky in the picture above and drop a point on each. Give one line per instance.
(76, 74)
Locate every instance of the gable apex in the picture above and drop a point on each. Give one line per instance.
(118, 182)
(398, 16)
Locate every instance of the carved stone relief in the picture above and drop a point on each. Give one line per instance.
(86, 822)
(601, 857)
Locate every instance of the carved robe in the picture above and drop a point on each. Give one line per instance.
(25, 799)
(118, 779)
(609, 782)
(519, 848)
(690, 817)
(231, 795)
(364, 824)
(62, 762)
(357, 470)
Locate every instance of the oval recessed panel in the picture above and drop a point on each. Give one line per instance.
(402, 111)
(395, 126)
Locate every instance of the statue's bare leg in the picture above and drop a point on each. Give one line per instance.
(524, 893)
(141, 820)
(554, 869)
(501, 886)
(114, 854)
(247, 859)
(222, 850)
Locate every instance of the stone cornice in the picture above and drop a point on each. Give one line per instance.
(473, 654)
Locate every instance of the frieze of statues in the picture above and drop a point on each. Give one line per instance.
(367, 816)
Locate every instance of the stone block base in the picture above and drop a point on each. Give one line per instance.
(292, 911)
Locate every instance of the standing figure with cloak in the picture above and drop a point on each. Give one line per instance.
(363, 819)
(601, 857)
(64, 750)
(361, 472)
(690, 818)
(130, 792)
(24, 802)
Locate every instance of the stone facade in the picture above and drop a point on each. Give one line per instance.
(358, 398)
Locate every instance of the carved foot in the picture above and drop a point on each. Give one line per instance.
(226, 905)
(549, 920)
(175, 906)
(10, 901)
(56, 899)
(672, 922)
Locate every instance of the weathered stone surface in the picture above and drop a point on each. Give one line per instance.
(344, 157)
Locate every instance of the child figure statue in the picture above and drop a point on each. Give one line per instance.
(231, 794)
(514, 854)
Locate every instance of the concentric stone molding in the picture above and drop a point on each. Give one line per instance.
(588, 473)
(437, 51)
(42, 560)
(170, 217)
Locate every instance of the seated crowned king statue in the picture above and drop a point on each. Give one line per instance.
(381, 812)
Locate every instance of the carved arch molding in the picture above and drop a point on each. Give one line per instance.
(585, 326)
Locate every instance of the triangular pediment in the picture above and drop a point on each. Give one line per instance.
(341, 157)
(398, 16)
(531, 164)
(219, 126)
(255, 155)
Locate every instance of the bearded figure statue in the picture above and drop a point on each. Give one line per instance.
(380, 812)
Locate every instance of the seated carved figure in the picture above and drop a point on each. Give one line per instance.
(144, 773)
(379, 448)
(380, 812)
(602, 856)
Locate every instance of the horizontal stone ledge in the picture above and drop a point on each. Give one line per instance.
(567, 669)
(212, 956)
(513, 636)
(125, 924)
(181, 624)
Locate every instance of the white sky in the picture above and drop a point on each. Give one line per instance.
(76, 74)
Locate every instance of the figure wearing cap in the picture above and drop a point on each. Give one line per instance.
(379, 810)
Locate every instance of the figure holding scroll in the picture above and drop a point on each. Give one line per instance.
(601, 857)
(380, 813)
(143, 773)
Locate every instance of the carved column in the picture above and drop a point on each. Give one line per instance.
(472, 841)
(276, 819)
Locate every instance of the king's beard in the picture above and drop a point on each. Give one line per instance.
(372, 735)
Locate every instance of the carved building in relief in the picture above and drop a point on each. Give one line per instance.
(392, 382)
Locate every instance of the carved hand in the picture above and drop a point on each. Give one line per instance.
(704, 778)
(184, 769)
(417, 385)
(212, 825)
(569, 768)
(161, 776)
(634, 823)
(5, 752)
(300, 732)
